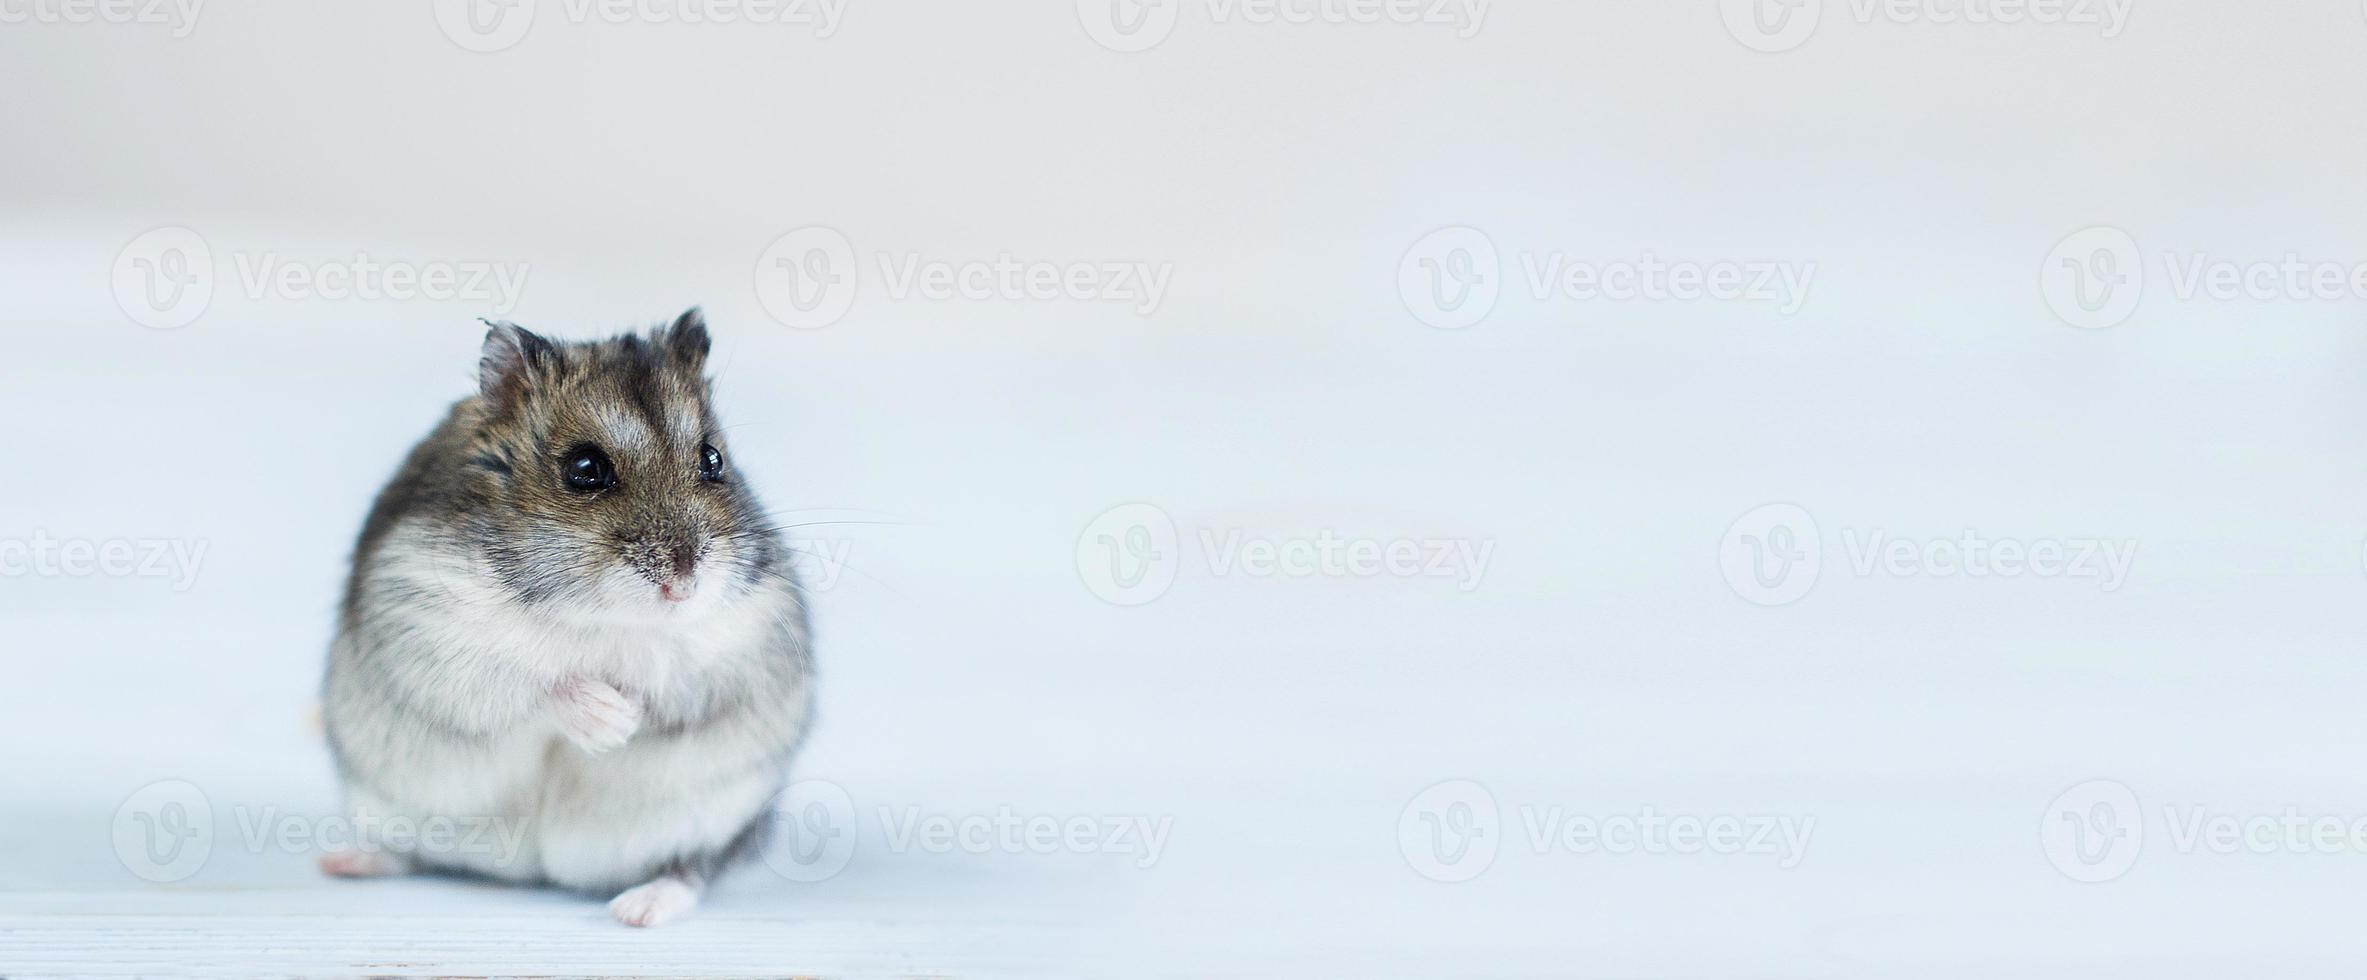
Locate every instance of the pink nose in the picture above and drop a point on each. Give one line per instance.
(677, 590)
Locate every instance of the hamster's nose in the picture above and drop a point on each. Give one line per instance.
(682, 583)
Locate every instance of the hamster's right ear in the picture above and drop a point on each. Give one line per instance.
(513, 358)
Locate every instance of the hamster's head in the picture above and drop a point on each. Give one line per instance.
(601, 485)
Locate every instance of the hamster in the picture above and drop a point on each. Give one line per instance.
(572, 650)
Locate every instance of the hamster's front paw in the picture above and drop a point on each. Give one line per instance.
(595, 716)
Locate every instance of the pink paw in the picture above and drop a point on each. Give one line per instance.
(363, 864)
(595, 716)
(654, 903)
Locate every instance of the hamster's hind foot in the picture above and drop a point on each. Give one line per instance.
(655, 903)
(364, 864)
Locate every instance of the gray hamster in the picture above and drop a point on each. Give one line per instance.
(572, 650)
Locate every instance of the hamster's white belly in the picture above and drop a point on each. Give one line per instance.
(531, 807)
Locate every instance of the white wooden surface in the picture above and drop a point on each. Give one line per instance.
(292, 926)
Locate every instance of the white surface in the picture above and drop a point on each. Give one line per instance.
(1603, 664)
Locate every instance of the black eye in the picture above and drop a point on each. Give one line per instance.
(587, 469)
(710, 464)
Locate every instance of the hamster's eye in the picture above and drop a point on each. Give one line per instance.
(710, 464)
(587, 469)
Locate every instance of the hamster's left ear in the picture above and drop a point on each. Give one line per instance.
(512, 360)
(686, 342)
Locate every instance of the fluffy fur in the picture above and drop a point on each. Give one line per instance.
(603, 688)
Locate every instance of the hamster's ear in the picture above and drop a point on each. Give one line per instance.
(513, 358)
(686, 342)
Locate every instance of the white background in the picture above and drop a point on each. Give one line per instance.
(1284, 387)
